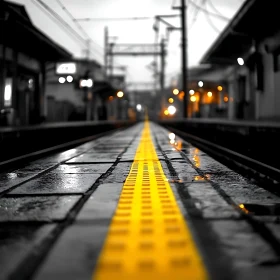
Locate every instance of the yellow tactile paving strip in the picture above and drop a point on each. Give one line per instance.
(148, 237)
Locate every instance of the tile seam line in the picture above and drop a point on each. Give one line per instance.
(197, 266)
(194, 218)
(45, 247)
(259, 227)
(54, 166)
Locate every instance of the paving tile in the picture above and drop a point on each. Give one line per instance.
(241, 189)
(207, 164)
(17, 242)
(93, 158)
(35, 167)
(41, 208)
(9, 180)
(59, 157)
(119, 174)
(102, 203)
(128, 156)
(111, 149)
(174, 155)
(250, 254)
(208, 201)
(206, 193)
(75, 254)
(275, 228)
(82, 168)
(191, 177)
(57, 183)
(181, 167)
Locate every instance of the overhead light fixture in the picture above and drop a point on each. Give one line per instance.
(61, 80)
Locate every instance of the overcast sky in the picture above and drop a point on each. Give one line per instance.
(203, 28)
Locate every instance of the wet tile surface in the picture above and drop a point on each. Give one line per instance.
(102, 203)
(248, 251)
(242, 190)
(85, 237)
(182, 167)
(208, 164)
(208, 201)
(78, 249)
(119, 174)
(35, 168)
(17, 242)
(57, 183)
(9, 180)
(84, 168)
(191, 177)
(36, 208)
(173, 155)
(94, 158)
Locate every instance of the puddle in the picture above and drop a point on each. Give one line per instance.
(261, 209)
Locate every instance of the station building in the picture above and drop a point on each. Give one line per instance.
(24, 52)
(248, 50)
(77, 89)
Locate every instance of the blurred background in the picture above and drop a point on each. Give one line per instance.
(67, 60)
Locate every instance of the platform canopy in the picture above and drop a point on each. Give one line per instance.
(22, 35)
(255, 20)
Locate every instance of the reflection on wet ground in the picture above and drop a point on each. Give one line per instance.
(261, 209)
(186, 148)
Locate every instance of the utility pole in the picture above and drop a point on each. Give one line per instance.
(184, 57)
(106, 49)
(3, 62)
(111, 45)
(162, 72)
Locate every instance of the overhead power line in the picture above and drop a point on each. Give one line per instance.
(48, 11)
(71, 31)
(85, 34)
(112, 19)
(196, 13)
(211, 22)
(73, 19)
(207, 12)
(213, 7)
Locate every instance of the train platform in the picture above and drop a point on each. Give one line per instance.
(137, 203)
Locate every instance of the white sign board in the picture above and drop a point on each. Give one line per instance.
(66, 68)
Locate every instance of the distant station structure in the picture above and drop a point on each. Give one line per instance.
(248, 55)
(24, 51)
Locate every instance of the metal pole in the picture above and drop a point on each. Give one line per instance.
(106, 49)
(155, 57)
(184, 57)
(110, 66)
(3, 54)
(162, 54)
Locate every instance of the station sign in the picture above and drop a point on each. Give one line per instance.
(66, 68)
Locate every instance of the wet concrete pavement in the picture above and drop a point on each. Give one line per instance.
(55, 212)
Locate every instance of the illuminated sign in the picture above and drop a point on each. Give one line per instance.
(86, 83)
(66, 68)
(8, 92)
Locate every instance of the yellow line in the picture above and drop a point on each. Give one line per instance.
(148, 237)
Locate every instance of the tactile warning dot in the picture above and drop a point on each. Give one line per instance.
(177, 243)
(148, 234)
(146, 264)
(179, 262)
(146, 245)
(115, 246)
(146, 221)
